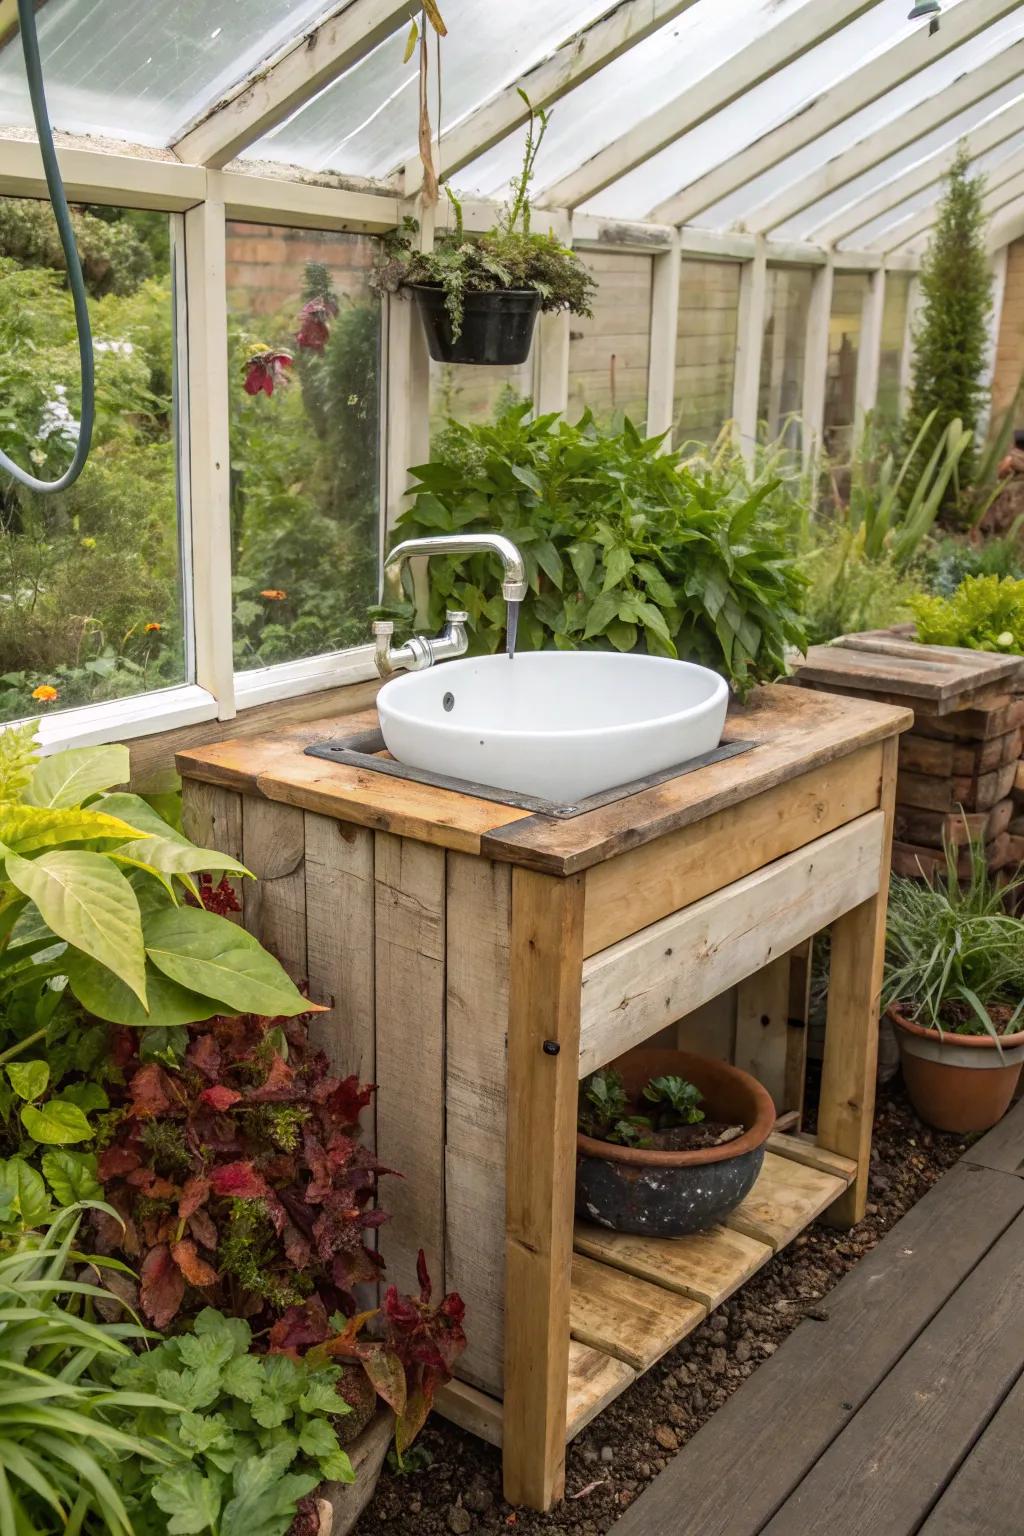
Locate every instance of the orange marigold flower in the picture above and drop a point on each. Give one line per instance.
(45, 693)
(274, 594)
(151, 629)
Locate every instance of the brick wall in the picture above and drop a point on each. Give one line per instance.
(265, 264)
(1010, 351)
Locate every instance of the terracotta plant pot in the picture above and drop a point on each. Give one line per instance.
(668, 1194)
(957, 1082)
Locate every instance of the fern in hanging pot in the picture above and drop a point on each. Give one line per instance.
(479, 297)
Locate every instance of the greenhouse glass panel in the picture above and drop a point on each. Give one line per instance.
(849, 290)
(366, 121)
(641, 82)
(709, 299)
(890, 361)
(1002, 111)
(90, 580)
(474, 395)
(304, 368)
(142, 69)
(789, 172)
(609, 354)
(756, 112)
(780, 396)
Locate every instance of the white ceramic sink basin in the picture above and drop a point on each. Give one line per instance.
(559, 725)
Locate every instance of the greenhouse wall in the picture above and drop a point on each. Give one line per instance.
(1010, 356)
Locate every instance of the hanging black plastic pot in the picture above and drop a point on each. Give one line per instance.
(497, 327)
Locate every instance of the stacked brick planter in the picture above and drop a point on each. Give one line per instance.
(960, 765)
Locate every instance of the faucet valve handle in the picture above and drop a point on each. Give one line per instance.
(456, 616)
(383, 627)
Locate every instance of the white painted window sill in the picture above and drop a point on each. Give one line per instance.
(290, 679)
(125, 719)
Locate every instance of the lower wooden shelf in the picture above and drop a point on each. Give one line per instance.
(634, 1298)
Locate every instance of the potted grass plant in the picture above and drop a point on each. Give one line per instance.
(954, 989)
(668, 1142)
(479, 297)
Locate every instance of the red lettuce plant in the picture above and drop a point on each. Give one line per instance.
(239, 1174)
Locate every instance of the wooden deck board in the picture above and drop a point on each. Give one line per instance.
(888, 1466)
(796, 1405)
(985, 1495)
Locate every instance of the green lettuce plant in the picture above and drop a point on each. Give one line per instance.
(625, 547)
(985, 613)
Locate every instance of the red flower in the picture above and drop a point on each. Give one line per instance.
(264, 368)
(314, 330)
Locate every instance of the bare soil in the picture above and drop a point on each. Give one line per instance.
(615, 1458)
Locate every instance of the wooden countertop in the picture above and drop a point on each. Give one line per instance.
(795, 730)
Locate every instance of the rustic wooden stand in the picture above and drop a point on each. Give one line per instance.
(481, 959)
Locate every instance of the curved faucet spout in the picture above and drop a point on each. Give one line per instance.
(419, 652)
(513, 588)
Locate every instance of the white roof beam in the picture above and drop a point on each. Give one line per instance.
(961, 94)
(614, 32)
(864, 85)
(275, 90)
(1003, 185)
(780, 45)
(995, 130)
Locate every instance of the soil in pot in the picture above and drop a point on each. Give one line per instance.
(670, 1192)
(958, 1082)
(497, 327)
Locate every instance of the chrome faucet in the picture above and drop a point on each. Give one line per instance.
(419, 652)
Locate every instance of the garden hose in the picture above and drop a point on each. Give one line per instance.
(76, 280)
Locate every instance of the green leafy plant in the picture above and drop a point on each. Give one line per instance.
(950, 337)
(509, 256)
(90, 898)
(606, 1112)
(954, 957)
(985, 613)
(895, 508)
(624, 546)
(253, 1434)
(66, 1430)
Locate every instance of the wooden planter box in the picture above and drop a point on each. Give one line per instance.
(960, 764)
(480, 959)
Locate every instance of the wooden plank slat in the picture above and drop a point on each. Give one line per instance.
(656, 976)
(856, 955)
(787, 1196)
(212, 818)
(409, 953)
(545, 967)
(804, 1149)
(274, 849)
(340, 945)
(826, 1370)
(925, 672)
(762, 1029)
(630, 891)
(706, 1267)
(477, 941)
(888, 1466)
(626, 1317)
(985, 1493)
(595, 1380)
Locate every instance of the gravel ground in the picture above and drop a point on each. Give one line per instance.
(633, 1440)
